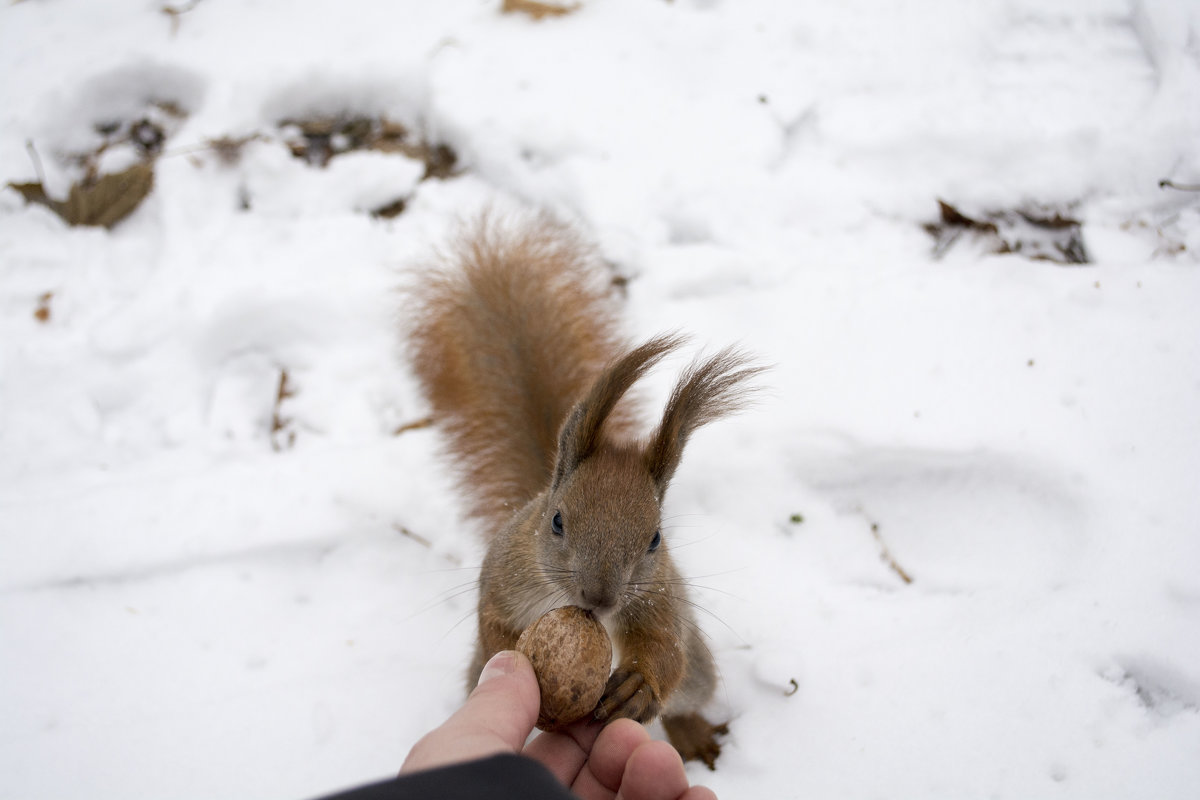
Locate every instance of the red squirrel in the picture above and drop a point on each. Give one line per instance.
(514, 343)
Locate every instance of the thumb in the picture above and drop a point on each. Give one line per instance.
(506, 699)
(497, 717)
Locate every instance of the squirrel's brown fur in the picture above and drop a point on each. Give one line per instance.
(514, 344)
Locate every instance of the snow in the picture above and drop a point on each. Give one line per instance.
(195, 605)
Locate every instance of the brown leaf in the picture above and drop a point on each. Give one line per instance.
(111, 198)
(104, 201)
(319, 139)
(1054, 221)
(1032, 232)
(228, 149)
(955, 218)
(32, 192)
(391, 210)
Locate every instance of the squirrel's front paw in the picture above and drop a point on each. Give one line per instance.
(628, 694)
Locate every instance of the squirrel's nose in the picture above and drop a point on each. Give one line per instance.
(597, 598)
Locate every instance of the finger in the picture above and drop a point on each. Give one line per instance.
(496, 718)
(565, 752)
(601, 776)
(699, 793)
(505, 701)
(653, 772)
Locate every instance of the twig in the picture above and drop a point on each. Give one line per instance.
(426, 543)
(37, 161)
(416, 537)
(886, 555)
(536, 9)
(228, 149)
(279, 423)
(415, 425)
(1167, 183)
(176, 12)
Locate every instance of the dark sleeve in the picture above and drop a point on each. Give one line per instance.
(500, 777)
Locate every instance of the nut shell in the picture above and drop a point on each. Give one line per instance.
(572, 656)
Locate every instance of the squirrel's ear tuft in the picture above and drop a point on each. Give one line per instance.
(580, 434)
(708, 390)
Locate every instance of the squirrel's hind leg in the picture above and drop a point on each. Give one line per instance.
(688, 731)
(695, 737)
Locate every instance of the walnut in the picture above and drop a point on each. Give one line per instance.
(572, 656)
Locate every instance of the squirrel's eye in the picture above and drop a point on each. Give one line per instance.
(556, 526)
(656, 541)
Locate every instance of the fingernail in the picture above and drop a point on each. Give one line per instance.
(503, 663)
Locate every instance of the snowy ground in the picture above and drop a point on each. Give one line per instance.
(212, 588)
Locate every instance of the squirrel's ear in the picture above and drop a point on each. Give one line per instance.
(580, 434)
(708, 390)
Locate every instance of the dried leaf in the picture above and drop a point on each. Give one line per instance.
(104, 201)
(110, 199)
(228, 149)
(32, 192)
(147, 137)
(953, 217)
(321, 138)
(1055, 222)
(391, 210)
(440, 161)
(389, 130)
(1035, 233)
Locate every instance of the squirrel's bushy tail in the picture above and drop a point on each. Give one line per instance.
(507, 333)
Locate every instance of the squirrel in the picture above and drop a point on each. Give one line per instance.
(514, 344)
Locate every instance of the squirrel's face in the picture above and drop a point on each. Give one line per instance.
(599, 535)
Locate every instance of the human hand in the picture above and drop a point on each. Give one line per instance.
(592, 760)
